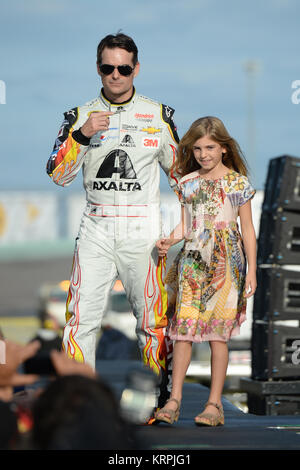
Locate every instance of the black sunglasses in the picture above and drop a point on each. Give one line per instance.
(124, 70)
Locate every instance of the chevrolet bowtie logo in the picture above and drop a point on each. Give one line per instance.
(151, 130)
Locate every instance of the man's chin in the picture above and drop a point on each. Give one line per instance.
(117, 94)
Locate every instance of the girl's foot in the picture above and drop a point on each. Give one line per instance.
(170, 412)
(211, 416)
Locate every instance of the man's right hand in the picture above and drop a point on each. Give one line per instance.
(97, 121)
(163, 246)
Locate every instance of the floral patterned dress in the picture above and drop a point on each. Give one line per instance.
(207, 277)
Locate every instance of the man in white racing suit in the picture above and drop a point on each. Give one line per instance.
(120, 140)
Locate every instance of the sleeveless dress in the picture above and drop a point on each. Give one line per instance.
(207, 278)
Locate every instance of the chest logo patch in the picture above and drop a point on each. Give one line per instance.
(127, 141)
(117, 161)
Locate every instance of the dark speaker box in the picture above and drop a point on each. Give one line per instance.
(277, 296)
(273, 405)
(282, 188)
(275, 351)
(272, 397)
(279, 238)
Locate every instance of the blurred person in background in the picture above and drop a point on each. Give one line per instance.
(8, 426)
(19, 390)
(76, 412)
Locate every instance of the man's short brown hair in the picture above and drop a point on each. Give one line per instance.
(118, 40)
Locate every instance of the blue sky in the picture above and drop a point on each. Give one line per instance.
(193, 56)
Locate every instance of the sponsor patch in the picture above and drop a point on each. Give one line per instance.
(117, 161)
(127, 141)
(69, 121)
(98, 139)
(129, 128)
(167, 115)
(144, 117)
(116, 186)
(151, 130)
(152, 143)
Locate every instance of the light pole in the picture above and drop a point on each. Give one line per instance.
(251, 68)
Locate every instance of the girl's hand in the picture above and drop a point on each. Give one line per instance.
(163, 246)
(250, 285)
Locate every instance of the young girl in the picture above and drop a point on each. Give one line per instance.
(208, 276)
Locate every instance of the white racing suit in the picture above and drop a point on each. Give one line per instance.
(120, 224)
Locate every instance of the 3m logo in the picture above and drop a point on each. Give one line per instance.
(153, 143)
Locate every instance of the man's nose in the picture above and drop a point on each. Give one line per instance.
(115, 73)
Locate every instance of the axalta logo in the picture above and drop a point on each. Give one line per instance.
(116, 186)
(151, 130)
(153, 143)
(116, 162)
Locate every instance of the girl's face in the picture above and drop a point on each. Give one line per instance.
(208, 153)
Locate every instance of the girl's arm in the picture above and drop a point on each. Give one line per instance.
(175, 236)
(249, 240)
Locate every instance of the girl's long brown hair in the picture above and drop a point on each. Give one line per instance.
(213, 127)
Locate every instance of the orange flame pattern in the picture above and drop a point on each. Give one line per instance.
(156, 300)
(73, 349)
(66, 158)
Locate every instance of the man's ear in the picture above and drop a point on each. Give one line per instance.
(136, 69)
(98, 70)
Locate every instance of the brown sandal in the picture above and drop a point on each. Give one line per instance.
(173, 414)
(209, 419)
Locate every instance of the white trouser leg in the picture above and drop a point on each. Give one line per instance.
(142, 275)
(93, 275)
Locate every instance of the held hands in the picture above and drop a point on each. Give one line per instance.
(163, 246)
(97, 121)
(250, 285)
